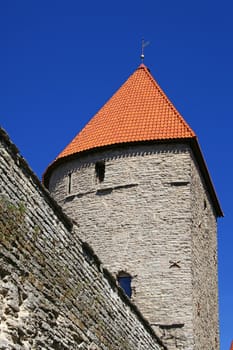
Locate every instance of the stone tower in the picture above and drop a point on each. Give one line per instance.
(135, 181)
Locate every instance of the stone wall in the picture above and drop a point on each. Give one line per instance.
(139, 221)
(144, 219)
(204, 266)
(54, 291)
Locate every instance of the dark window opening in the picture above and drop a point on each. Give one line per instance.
(100, 171)
(205, 204)
(124, 280)
(69, 182)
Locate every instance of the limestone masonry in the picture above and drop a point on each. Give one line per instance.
(133, 184)
(54, 291)
(152, 218)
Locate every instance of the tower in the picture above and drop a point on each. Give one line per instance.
(135, 181)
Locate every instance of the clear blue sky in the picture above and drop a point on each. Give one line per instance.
(61, 60)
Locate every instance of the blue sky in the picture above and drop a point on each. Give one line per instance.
(61, 60)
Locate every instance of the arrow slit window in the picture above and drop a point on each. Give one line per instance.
(69, 183)
(100, 171)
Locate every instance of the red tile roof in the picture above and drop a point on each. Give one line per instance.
(138, 111)
(231, 346)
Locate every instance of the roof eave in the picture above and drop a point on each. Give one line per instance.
(192, 141)
(206, 176)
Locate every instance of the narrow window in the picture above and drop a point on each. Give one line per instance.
(100, 170)
(69, 182)
(205, 204)
(124, 280)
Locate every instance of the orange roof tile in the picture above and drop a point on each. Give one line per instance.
(138, 111)
(231, 346)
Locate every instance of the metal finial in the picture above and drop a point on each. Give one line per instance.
(144, 44)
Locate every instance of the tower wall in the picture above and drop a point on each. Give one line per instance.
(142, 219)
(204, 260)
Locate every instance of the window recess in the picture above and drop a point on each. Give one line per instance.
(100, 171)
(124, 280)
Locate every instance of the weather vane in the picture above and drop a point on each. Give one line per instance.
(144, 44)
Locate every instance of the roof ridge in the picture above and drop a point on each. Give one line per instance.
(165, 97)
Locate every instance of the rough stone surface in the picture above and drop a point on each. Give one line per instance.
(54, 292)
(204, 262)
(144, 219)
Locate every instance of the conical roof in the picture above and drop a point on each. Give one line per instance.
(138, 111)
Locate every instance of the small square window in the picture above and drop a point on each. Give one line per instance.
(124, 280)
